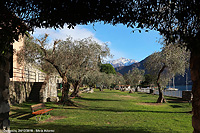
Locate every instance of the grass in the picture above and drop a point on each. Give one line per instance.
(109, 111)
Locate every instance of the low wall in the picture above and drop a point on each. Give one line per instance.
(19, 91)
(24, 91)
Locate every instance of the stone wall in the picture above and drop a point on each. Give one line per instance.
(19, 91)
(24, 91)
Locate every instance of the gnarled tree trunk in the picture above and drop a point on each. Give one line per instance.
(76, 90)
(65, 93)
(161, 98)
(101, 88)
(195, 75)
(76, 85)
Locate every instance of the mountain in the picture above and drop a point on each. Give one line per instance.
(121, 62)
(125, 69)
(179, 80)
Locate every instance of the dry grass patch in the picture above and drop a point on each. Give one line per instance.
(128, 97)
(53, 118)
(151, 104)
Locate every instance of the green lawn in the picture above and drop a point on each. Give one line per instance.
(109, 111)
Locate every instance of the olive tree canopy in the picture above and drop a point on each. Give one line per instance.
(134, 77)
(172, 60)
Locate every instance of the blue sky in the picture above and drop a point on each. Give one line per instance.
(120, 39)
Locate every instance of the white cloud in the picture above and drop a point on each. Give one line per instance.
(77, 33)
(116, 54)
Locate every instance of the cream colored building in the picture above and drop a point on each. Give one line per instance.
(22, 71)
(18, 69)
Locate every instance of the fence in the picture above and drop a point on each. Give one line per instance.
(165, 92)
(145, 90)
(27, 75)
(170, 93)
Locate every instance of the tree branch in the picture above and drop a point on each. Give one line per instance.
(42, 44)
(55, 66)
(54, 46)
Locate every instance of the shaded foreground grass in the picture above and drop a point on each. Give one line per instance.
(109, 111)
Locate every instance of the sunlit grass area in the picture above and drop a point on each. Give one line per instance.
(109, 111)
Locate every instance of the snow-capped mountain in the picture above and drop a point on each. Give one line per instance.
(121, 62)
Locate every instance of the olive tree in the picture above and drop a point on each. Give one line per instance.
(93, 55)
(70, 58)
(94, 79)
(149, 80)
(102, 80)
(170, 61)
(109, 79)
(118, 80)
(134, 77)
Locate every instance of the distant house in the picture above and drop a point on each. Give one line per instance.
(121, 87)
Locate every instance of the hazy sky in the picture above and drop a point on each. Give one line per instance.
(120, 39)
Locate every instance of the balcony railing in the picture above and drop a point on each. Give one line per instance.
(27, 75)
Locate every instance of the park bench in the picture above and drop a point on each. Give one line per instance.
(39, 109)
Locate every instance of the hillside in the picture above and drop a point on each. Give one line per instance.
(179, 80)
(125, 69)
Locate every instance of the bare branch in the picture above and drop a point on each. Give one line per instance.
(54, 45)
(55, 66)
(42, 44)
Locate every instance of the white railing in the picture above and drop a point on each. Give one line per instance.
(165, 92)
(145, 90)
(170, 93)
(27, 75)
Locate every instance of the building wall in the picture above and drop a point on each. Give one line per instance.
(18, 69)
(21, 91)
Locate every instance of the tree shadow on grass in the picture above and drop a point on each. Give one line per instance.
(26, 116)
(16, 114)
(121, 110)
(176, 100)
(176, 106)
(95, 99)
(21, 114)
